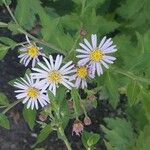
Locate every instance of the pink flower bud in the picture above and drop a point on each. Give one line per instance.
(87, 121)
(77, 127)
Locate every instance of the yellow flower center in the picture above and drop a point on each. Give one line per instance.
(82, 72)
(32, 92)
(54, 77)
(96, 55)
(33, 51)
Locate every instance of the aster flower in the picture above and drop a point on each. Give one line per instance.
(96, 55)
(52, 74)
(81, 75)
(77, 127)
(30, 52)
(31, 93)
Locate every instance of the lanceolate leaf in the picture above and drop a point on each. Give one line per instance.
(29, 116)
(3, 100)
(44, 133)
(112, 89)
(4, 122)
(133, 91)
(3, 51)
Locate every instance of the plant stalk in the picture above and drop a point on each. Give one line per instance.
(64, 138)
(11, 106)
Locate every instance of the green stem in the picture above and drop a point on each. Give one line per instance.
(28, 34)
(40, 41)
(63, 137)
(130, 75)
(11, 106)
(10, 12)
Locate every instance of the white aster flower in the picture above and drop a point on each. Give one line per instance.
(52, 74)
(30, 52)
(31, 93)
(81, 75)
(96, 55)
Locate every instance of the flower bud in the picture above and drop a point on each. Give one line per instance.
(87, 121)
(77, 127)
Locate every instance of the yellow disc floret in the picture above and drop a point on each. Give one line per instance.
(32, 93)
(33, 51)
(96, 55)
(54, 77)
(82, 72)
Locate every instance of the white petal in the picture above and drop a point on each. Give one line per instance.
(58, 62)
(82, 56)
(84, 47)
(43, 66)
(47, 63)
(83, 61)
(94, 40)
(25, 100)
(82, 51)
(109, 57)
(105, 65)
(28, 40)
(27, 62)
(102, 42)
(51, 61)
(29, 104)
(106, 44)
(88, 44)
(20, 96)
(66, 65)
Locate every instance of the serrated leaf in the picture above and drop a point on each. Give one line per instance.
(142, 142)
(4, 122)
(3, 99)
(146, 103)
(133, 91)
(118, 133)
(30, 117)
(24, 13)
(112, 90)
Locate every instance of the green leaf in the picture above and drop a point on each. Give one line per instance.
(3, 51)
(4, 122)
(146, 103)
(118, 133)
(25, 13)
(7, 41)
(29, 116)
(142, 142)
(94, 138)
(133, 91)
(90, 139)
(44, 133)
(3, 99)
(112, 89)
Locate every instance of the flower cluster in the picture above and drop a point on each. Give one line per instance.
(50, 73)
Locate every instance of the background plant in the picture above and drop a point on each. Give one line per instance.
(60, 31)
